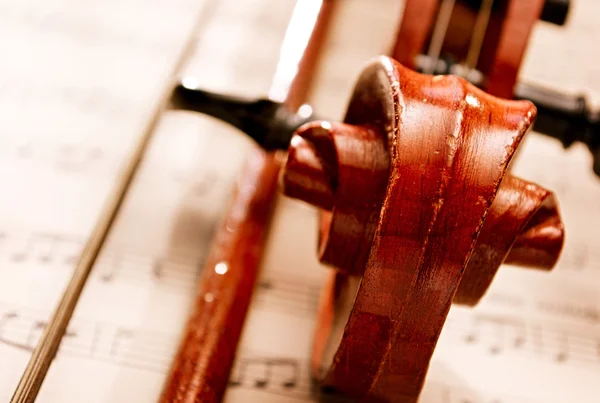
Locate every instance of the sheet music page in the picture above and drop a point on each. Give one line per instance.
(78, 82)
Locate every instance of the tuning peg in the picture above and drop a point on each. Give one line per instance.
(565, 117)
(271, 124)
(554, 11)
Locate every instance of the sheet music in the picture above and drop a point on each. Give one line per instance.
(80, 81)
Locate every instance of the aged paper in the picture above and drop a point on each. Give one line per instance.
(78, 82)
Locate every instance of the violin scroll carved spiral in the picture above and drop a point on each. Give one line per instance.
(418, 210)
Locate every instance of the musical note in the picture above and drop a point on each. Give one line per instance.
(562, 355)
(120, 340)
(107, 267)
(95, 338)
(5, 317)
(508, 335)
(265, 285)
(496, 346)
(290, 294)
(172, 274)
(73, 158)
(149, 350)
(34, 333)
(47, 248)
(158, 268)
(520, 336)
(265, 373)
(583, 311)
(472, 334)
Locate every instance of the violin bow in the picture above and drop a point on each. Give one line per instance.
(201, 367)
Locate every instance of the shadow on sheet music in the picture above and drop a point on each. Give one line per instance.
(206, 178)
(450, 391)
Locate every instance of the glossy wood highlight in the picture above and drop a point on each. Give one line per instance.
(409, 181)
(201, 369)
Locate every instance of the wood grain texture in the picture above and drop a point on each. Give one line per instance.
(516, 29)
(506, 38)
(201, 368)
(418, 18)
(414, 173)
(523, 228)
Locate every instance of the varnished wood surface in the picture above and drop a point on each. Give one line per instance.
(516, 30)
(201, 369)
(523, 226)
(202, 364)
(414, 204)
(446, 149)
(506, 39)
(418, 17)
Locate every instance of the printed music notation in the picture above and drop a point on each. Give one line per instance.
(493, 335)
(84, 158)
(20, 328)
(490, 334)
(291, 377)
(143, 349)
(293, 295)
(65, 157)
(496, 335)
(59, 253)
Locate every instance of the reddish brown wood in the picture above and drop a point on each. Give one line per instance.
(516, 30)
(345, 165)
(414, 175)
(522, 228)
(201, 367)
(207, 350)
(301, 85)
(504, 46)
(418, 17)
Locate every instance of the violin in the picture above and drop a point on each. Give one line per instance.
(415, 181)
(384, 304)
(485, 42)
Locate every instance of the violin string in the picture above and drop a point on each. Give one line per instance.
(479, 31)
(39, 363)
(439, 34)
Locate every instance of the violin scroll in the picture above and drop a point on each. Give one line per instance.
(417, 211)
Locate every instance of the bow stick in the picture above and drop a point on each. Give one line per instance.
(200, 369)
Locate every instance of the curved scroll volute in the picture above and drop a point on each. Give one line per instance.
(522, 228)
(406, 185)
